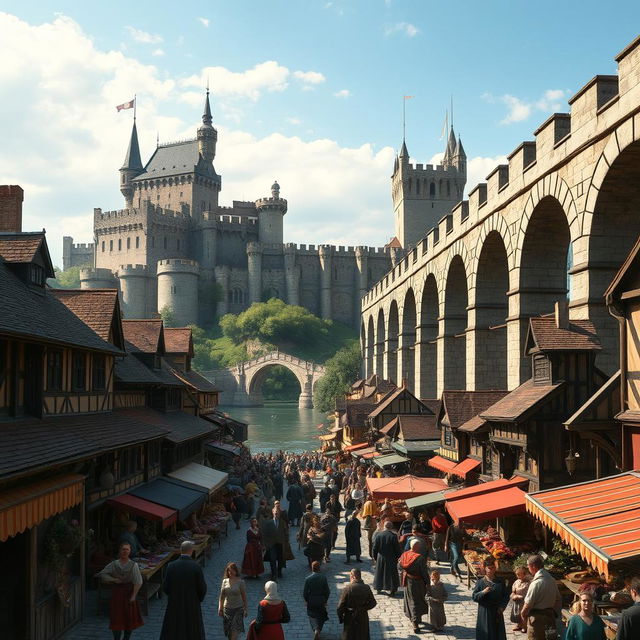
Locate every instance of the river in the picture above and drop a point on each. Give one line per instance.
(280, 425)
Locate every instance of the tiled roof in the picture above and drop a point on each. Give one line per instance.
(168, 375)
(418, 427)
(432, 404)
(388, 399)
(471, 426)
(461, 406)
(181, 426)
(144, 335)
(394, 243)
(356, 413)
(194, 379)
(20, 247)
(131, 370)
(178, 340)
(580, 336)
(97, 308)
(389, 429)
(35, 444)
(520, 402)
(174, 159)
(40, 315)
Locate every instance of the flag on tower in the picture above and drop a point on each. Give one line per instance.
(127, 105)
(408, 97)
(445, 126)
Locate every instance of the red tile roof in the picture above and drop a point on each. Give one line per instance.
(475, 424)
(178, 340)
(517, 405)
(394, 243)
(418, 427)
(460, 406)
(144, 335)
(389, 398)
(97, 308)
(546, 336)
(20, 247)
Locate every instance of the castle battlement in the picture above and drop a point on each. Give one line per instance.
(237, 220)
(133, 270)
(596, 109)
(432, 169)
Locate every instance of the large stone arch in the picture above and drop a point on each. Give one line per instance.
(380, 343)
(455, 323)
(407, 339)
(370, 346)
(427, 339)
(391, 342)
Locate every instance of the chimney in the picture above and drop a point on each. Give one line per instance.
(562, 314)
(11, 197)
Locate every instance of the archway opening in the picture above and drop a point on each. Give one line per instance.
(380, 344)
(614, 230)
(407, 343)
(455, 326)
(491, 311)
(391, 371)
(370, 347)
(274, 382)
(428, 339)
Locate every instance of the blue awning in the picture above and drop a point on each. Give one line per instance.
(172, 493)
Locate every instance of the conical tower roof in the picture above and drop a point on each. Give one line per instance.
(460, 149)
(132, 160)
(404, 153)
(207, 119)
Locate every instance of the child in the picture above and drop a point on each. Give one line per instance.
(437, 596)
(518, 592)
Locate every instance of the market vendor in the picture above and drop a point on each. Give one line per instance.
(130, 537)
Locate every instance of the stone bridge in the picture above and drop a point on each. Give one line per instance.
(242, 385)
(556, 222)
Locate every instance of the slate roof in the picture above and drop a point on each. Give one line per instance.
(40, 315)
(461, 406)
(518, 405)
(546, 336)
(356, 413)
(433, 404)
(28, 445)
(97, 308)
(471, 426)
(130, 370)
(418, 427)
(194, 379)
(145, 335)
(178, 340)
(175, 159)
(388, 399)
(181, 426)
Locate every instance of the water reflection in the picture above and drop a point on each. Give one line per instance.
(280, 425)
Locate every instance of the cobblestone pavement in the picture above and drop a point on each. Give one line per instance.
(387, 619)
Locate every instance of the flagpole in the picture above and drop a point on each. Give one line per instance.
(452, 111)
(135, 106)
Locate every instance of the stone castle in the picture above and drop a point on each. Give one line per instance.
(174, 247)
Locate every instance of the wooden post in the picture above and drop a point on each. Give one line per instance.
(33, 579)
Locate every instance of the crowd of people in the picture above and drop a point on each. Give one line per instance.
(407, 556)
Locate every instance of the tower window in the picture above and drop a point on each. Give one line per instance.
(165, 242)
(110, 245)
(128, 244)
(119, 244)
(418, 187)
(335, 273)
(137, 242)
(178, 244)
(448, 189)
(103, 243)
(432, 190)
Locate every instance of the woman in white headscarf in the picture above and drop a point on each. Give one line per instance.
(272, 614)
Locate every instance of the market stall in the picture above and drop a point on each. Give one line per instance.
(389, 460)
(201, 476)
(174, 494)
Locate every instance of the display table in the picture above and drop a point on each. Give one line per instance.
(475, 571)
(202, 548)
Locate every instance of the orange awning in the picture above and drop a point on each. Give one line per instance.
(506, 501)
(26, 506)
(354, 447)
(441, 464)
(463, 468)
(403, 486)
(597, 519)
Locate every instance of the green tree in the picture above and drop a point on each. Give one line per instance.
(69, 279)
(341, 371)
(168, 317)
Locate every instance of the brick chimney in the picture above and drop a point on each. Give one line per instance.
(11, 197)
(562, 314)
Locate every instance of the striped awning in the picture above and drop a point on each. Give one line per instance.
(597, 519)
(26, 506)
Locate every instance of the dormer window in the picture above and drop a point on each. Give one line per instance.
(36, 275)
(541, 369)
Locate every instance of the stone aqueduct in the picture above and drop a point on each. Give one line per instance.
(557, 221)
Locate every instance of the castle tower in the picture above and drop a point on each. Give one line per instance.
(134, 286)
(178, 289)
(131, 167)
(292, 274)
(207, 134)
(270, 216)
(91, 278)
(254, 261)
(423, 194)
(325, 252)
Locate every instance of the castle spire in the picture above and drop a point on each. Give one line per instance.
(207, 135)
(206, 116)
(404, 153)
(450, 151)
(132, 160)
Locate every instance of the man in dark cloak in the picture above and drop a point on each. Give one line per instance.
(325, 494)
(416, 582)
(274, 533)
(316, 593)
(386, 551)
(356, 600)
(186, 588)
(352, 536)
(294, 497)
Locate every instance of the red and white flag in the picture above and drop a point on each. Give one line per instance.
(126, 105)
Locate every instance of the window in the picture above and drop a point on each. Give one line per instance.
(165, 242)
(54, 370)
(78, 371)
(178, 244)
(447, 437)
(103, 243)
(448, 188)
(110, 245)
(99, 371)
(128, 244)
(36, 274)
(137, 242)
(432, 190)
(119, 244)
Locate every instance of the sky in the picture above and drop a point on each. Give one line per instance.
(308, 92)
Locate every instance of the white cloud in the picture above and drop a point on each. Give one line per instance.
(158, 53)
(478, 167)
(405, 28)
(343, 93)
(309, 77)
(204, 22)
(292, 120)
(144, 36)
(519, 109)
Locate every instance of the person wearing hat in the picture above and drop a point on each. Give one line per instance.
(272, 614)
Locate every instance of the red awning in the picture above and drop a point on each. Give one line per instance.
(144, 508)
(488, 487)
(463, 468)
(403, 486)
(353, 447)
(507, 501)
(441, 464)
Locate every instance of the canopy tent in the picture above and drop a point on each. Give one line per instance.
(463, 468)
(201, 476)
(172, 493)
(425, 500)
(487, 500)
(597, 519)
(416, 448)
(148, 510)
(406, 486)
(389, 459)
(441, 464)
(355, 447)
(367, 452)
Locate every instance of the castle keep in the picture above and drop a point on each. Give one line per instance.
(173, 246)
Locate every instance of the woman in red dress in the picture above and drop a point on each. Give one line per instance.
(252, 564)
(272, 614)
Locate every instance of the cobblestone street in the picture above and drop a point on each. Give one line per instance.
(387, 619)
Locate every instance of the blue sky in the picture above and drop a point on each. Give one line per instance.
(306, 92)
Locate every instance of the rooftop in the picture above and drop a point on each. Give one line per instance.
(145, 336)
